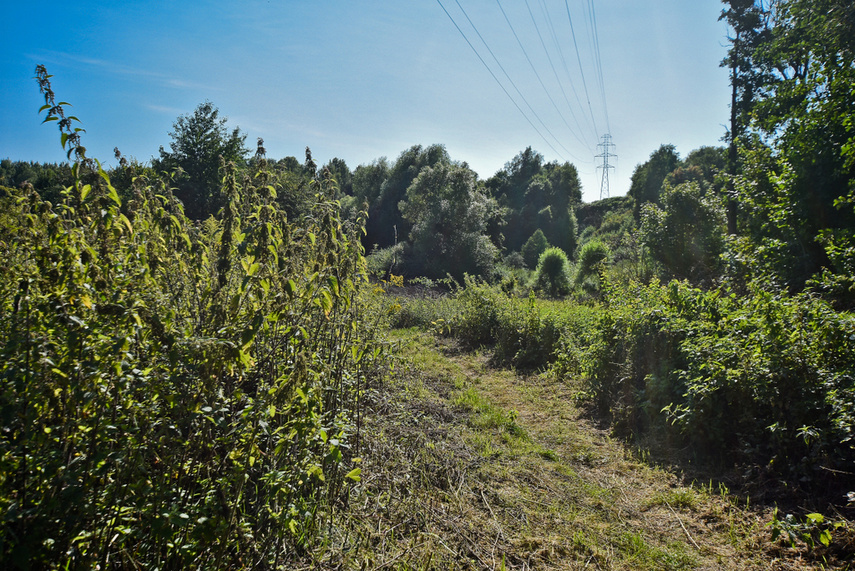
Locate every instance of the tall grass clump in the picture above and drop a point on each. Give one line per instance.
(174, 395)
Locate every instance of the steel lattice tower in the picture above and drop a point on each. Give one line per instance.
(605, 155)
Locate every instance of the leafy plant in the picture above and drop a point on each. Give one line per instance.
(174, 395)
(552, 273)
(812, 531)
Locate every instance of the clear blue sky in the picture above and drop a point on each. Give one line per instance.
(361, 80)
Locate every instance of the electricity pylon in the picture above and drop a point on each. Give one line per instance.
(605, 155)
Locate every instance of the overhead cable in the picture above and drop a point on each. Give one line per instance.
(581, 70)
(552, 65)
(558, 48)
(496, 78)
(474, 27)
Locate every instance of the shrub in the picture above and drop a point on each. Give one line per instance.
(174, 395)
(552, 273)
(592, 257)
(385, 261)
(685, 234)
(533, 248)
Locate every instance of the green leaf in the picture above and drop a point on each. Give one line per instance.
(290, 287)
(113, 195)
(333, 283)
(354, 474)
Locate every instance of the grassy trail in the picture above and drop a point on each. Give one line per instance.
(470, 467)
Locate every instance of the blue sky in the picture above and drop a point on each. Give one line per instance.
(361, 80)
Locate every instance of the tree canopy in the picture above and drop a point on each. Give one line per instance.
(201, 141)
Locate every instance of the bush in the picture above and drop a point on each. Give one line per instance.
(533, 248)
(762, 378)
(174, 395)
(552, 273)
(592, 257)
(385, 261)
(685, 235)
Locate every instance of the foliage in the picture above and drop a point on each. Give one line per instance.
(685, 234)
(536, 195)
(647, 178)
(533, 248)
(592, 258)
(812, 531)
(448, 214)
(767, 377)
(553, 272)
(173, 395)
(384, 187)
(385, 261)
(49, 180)
(199, 143)
(794, 70)
(340, 173)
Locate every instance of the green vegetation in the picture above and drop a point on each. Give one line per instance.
(192, 349)
(174, 395)
(552, 273)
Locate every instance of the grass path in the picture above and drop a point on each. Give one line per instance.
(469, 467)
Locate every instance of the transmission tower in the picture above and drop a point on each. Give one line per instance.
(605, 155)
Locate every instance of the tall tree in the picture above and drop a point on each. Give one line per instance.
(686, 233)
(804, 110)
(386, 224)
(199, 142)
(536, 195)
(341, 175)
(748, 20)
(647, 178)
(448, 211)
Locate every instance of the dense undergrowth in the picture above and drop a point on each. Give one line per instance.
(763, 380)
(174, 394)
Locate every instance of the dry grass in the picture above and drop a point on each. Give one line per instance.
(467, 467)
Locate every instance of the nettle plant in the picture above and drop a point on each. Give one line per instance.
(174, 394)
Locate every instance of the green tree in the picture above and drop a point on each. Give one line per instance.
(536, 195)
(198, 143)
(533, 248)
(804, 114)
(748, 21)
(685, 234)
(592, 256)
(386, 223)
(448, 212)
(512, 188)
(368, 180)
(341, 174)
(647, 178)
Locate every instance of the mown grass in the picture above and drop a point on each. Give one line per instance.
(484, 468)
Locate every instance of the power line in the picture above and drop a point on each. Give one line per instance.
(552, 65)
(497, 79)
(471, 23)
(548, 18)
(599, 63)
(581, 70)
(533, 69)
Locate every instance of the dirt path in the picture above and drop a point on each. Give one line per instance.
(469, 467)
